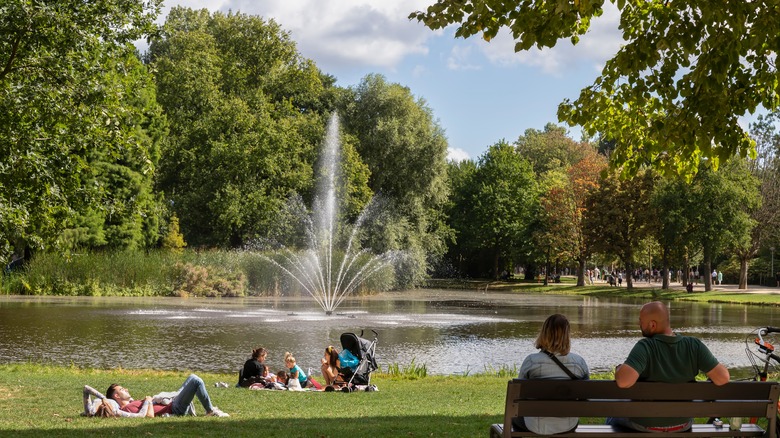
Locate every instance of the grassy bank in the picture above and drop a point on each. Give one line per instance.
(639, 291)
(665, 295)
(37, 399)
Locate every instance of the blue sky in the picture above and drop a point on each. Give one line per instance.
(480, 92)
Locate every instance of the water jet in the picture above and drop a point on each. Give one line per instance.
(329, 270)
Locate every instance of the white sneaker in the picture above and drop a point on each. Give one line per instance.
(216, 412)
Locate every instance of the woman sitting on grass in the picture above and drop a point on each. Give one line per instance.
(254, 370)
(331, 367)
(554, 361)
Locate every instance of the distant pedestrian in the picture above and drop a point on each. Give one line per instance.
(720, 278)
(714, 276)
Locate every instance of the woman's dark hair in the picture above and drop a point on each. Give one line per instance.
(258, 352)
(554, 336)
(333, 356)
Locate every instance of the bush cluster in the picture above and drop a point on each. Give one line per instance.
(207, 281)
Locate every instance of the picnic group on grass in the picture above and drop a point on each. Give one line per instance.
(255, 374)
(661, 355)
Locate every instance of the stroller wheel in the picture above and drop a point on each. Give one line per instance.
(346, 389)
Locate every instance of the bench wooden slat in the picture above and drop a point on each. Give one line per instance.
(608, 389)
(626, 408)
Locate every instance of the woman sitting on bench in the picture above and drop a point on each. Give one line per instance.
(554, 361)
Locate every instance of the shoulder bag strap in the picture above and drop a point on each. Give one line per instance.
(563, 367)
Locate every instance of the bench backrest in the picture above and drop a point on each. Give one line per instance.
(603, 398)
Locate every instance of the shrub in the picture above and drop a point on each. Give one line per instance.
(207, 281)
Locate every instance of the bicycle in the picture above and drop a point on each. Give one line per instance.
(761, 354)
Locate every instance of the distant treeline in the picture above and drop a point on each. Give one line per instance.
(202, 141)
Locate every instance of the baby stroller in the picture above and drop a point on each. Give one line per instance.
(358, 373)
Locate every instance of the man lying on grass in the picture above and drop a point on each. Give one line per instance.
(117, 401)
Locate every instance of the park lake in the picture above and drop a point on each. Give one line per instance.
(450, 332)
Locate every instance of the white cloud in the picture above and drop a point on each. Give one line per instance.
(601, 42)
(459, 58)
(339, 34)
(456, 154)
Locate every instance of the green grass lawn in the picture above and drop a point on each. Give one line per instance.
(38, 399)
(660, 294)
(568, 287)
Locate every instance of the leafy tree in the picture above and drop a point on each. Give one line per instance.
(726, 199)
(463, 249)
(130, 214)
(405, 150)
(173, 240)
(60, 104)
(554, 230)
(582, 179)
(766, 168)
(568, 170)
(245, 121)
(675, 208)
(674, 91)
(559, 227)
(618, 217)
(502, 202)
(549, 149)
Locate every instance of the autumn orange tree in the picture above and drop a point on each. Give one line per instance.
(618, 217)
(563, 206)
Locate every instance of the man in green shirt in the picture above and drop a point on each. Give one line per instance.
(664, 356)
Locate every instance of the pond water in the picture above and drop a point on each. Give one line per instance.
(451, 332)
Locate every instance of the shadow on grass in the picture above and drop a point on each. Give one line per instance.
(341, 426)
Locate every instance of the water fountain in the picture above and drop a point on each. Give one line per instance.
(326, 270)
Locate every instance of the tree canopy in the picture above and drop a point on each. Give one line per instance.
(674, 91)
(243, 106)
(65, 102)
(405, 149)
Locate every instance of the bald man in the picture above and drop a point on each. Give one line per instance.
(664, 356)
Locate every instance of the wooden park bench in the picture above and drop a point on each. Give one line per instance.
(603, 398)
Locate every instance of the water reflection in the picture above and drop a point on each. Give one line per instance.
(450, 332)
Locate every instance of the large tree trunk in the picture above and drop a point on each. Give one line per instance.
(495, 263)
(707, 271)
(743, 272)
(547, 268)
(581, 273)
(629, 275)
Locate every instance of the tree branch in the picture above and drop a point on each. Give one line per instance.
(14, 50)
